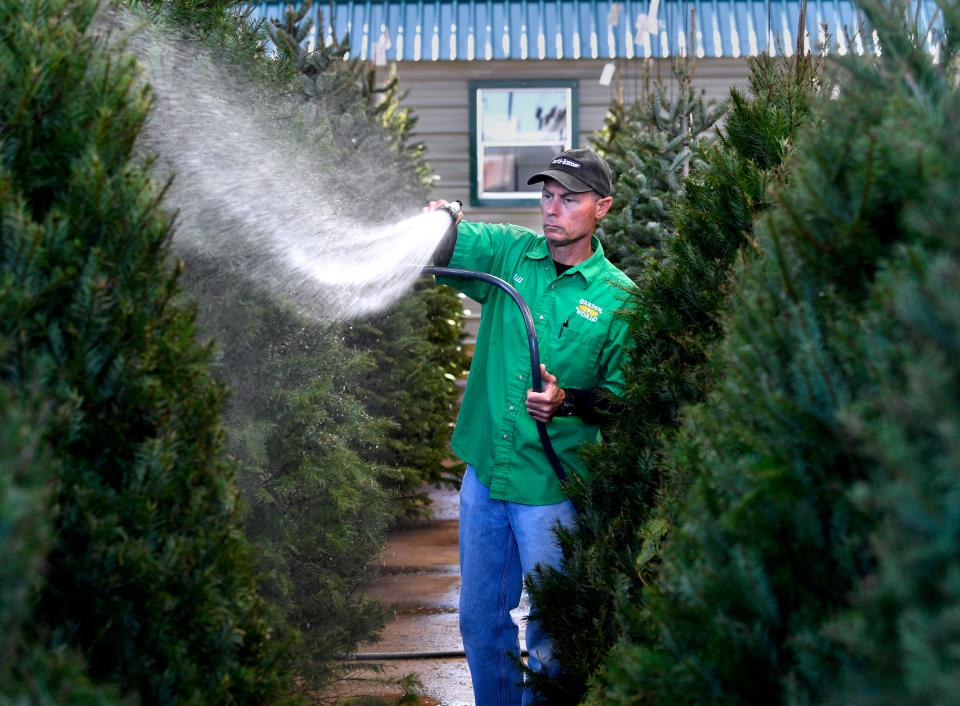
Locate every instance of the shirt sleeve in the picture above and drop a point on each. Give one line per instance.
(480, 247)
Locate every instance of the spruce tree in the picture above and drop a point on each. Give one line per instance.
(148, 575)
(815, 558)
(627, 504)
(898, 636)
(649, 145)
(367, 123)
(317, 507)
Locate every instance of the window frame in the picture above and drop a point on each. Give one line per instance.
(473, 88)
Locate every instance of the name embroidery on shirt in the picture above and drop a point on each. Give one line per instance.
(517, 278)
(589, 310)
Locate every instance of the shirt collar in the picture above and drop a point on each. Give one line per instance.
(588, 269)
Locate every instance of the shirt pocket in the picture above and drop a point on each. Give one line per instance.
(575, 353)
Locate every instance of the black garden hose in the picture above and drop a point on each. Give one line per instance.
(436, 654)
(531, 341)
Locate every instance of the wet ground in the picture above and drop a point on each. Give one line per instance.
(419, 579)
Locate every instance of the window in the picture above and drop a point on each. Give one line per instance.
(518, 127)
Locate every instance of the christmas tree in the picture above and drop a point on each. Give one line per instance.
(31, 672)
(148, 577)
(814, 559)
(335, 425)
(415, 343)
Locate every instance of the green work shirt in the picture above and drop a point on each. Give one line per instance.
(581, 341)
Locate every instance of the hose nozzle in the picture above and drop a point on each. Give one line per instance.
(453, 209)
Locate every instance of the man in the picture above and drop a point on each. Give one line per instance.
(511, 499)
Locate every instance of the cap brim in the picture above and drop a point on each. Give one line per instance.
(568, 180)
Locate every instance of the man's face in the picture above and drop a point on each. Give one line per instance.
(569, 216)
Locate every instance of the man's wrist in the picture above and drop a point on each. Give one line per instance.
(567, 407)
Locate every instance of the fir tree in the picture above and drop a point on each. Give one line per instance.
(335, 426)
(417, 354)
(317, 505)
(899, 634)
(626, 506)
(816, 557)
(367, 121)
(31, 672)
(34, 669)
(415, 344)
(148, 576)
(649, 145)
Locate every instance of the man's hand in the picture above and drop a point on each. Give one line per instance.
(434, 205)
(543, 405)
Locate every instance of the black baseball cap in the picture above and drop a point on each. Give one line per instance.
(578, 170)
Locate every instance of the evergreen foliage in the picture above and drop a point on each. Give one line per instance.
(368, 118)
(417, 354)
(899, 634)
(649, 145)
(24, 528)
(325, 505)
(318, 506)
(31, 673)
(815, 560)
(626, 506)
(148, 575)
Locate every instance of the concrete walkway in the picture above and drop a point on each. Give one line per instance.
(419, 580)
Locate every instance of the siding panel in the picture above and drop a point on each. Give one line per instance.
(437, 93)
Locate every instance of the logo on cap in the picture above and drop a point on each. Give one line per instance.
(566, 162)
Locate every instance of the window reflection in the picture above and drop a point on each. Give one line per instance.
(520, 130)
(506, 169)
(524, 116)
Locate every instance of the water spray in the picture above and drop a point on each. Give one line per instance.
(251, 197)
(453, 210)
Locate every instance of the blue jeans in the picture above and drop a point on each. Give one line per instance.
(500, 543)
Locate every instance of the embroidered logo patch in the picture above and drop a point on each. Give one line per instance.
(589, 310)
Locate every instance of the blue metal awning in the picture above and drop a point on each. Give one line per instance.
(438, 30)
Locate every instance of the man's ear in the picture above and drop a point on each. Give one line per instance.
(603, 206)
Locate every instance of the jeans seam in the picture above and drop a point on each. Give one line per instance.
(501, 647)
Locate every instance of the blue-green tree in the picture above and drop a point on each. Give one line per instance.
(815, 558)
(650, 145)
(335, 425)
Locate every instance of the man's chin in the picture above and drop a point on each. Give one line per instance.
(560, 238)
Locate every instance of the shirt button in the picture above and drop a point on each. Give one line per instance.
(541, 317)
(553, 286)
(519, 377)
(511, 407)
(504, 436)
